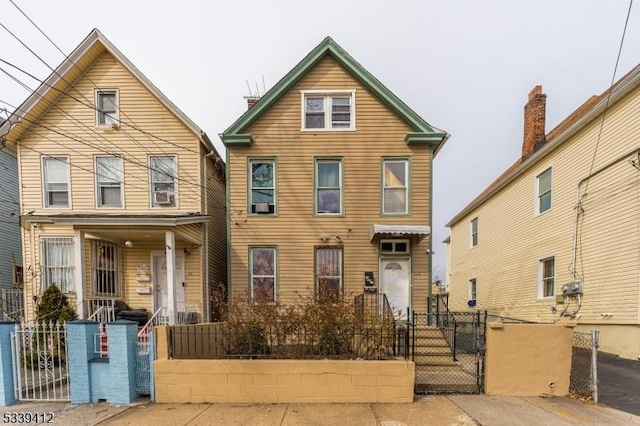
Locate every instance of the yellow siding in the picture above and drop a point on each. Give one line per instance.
(217, 227)
(512, 239)
(295, 231)
(83, 140)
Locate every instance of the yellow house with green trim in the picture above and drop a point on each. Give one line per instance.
(122, 196)
(329, 188)
(557, 235)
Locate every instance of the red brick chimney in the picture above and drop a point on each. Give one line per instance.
(534, 118)
(251, 101)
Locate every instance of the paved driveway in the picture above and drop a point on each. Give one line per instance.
(619, 383)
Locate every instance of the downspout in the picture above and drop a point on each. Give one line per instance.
(578, 209)
(207, 304)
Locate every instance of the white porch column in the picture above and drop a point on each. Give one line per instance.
(170, 243)
(78, 271)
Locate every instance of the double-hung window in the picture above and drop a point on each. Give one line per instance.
(328, 190)
(473, 291)
(56, 181)
(57, 263)
(328, 272)
(263, 274)
(107, 108)
(263, 186)
(163, 181)
(328, 111)
(109, 181)
(474, 231)
(543, 188)
(395, 186)
(546, 280)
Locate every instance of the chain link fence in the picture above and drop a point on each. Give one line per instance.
(584, 365)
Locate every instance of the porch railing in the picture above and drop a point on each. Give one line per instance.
(101, 309)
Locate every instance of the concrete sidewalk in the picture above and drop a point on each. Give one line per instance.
(455, 410)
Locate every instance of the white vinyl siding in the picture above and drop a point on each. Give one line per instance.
(55, 172)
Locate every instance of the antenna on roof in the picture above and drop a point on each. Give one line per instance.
(249, 88)
(264, 86)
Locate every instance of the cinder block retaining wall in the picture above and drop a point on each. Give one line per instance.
(283, 381)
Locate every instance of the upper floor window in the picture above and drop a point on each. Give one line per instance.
(263, 186)
(57, 263)
(474, 231)
(331, 110)
(546, 277)
(163, 181)
(56, 181)
(328, 191)
(395, 186)
(107, 108)
(263, 274)
(328, 272)
(543, 189)
(109, 181)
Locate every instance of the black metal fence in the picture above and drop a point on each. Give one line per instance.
(448, 351)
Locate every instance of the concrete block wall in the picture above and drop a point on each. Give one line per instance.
(283, 381)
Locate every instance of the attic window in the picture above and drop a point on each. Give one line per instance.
(107, 108)
(328, 110)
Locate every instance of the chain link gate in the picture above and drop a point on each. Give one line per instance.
(448, 351)
(40, 368)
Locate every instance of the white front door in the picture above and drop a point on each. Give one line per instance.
(395, 283)
(160, 282)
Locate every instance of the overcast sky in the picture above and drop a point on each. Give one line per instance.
(464, 66)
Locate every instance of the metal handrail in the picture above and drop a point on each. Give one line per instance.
(153, 321)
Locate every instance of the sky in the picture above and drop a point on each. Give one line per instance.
(465, 66)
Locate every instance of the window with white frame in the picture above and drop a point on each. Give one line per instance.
(328, 272)
(105, 266)
(328, 111)
(57, 263)
(474, 232)
(473, 289)
(263, 186)
(163, 181)
(56, 181)
(546, 280)
(543, 188)
(107, 108)
(263, 274)
(395, 185)
(328, 191)
(109, 181)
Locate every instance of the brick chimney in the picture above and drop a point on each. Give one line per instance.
(251, 101)
(534, 119)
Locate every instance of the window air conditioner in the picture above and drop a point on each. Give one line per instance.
(162, 198)
(262, 207)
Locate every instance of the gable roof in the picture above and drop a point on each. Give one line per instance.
(423, 131)
(577, 120)
(72, 68)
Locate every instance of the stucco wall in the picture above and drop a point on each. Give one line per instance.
(528, 359)
(283, 381)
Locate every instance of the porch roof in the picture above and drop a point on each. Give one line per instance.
(121, 220)
(419, 231)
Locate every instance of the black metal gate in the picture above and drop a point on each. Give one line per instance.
(448, 351)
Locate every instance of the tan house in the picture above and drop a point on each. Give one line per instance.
(329, 187)
(557, 235)
(121, 194)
